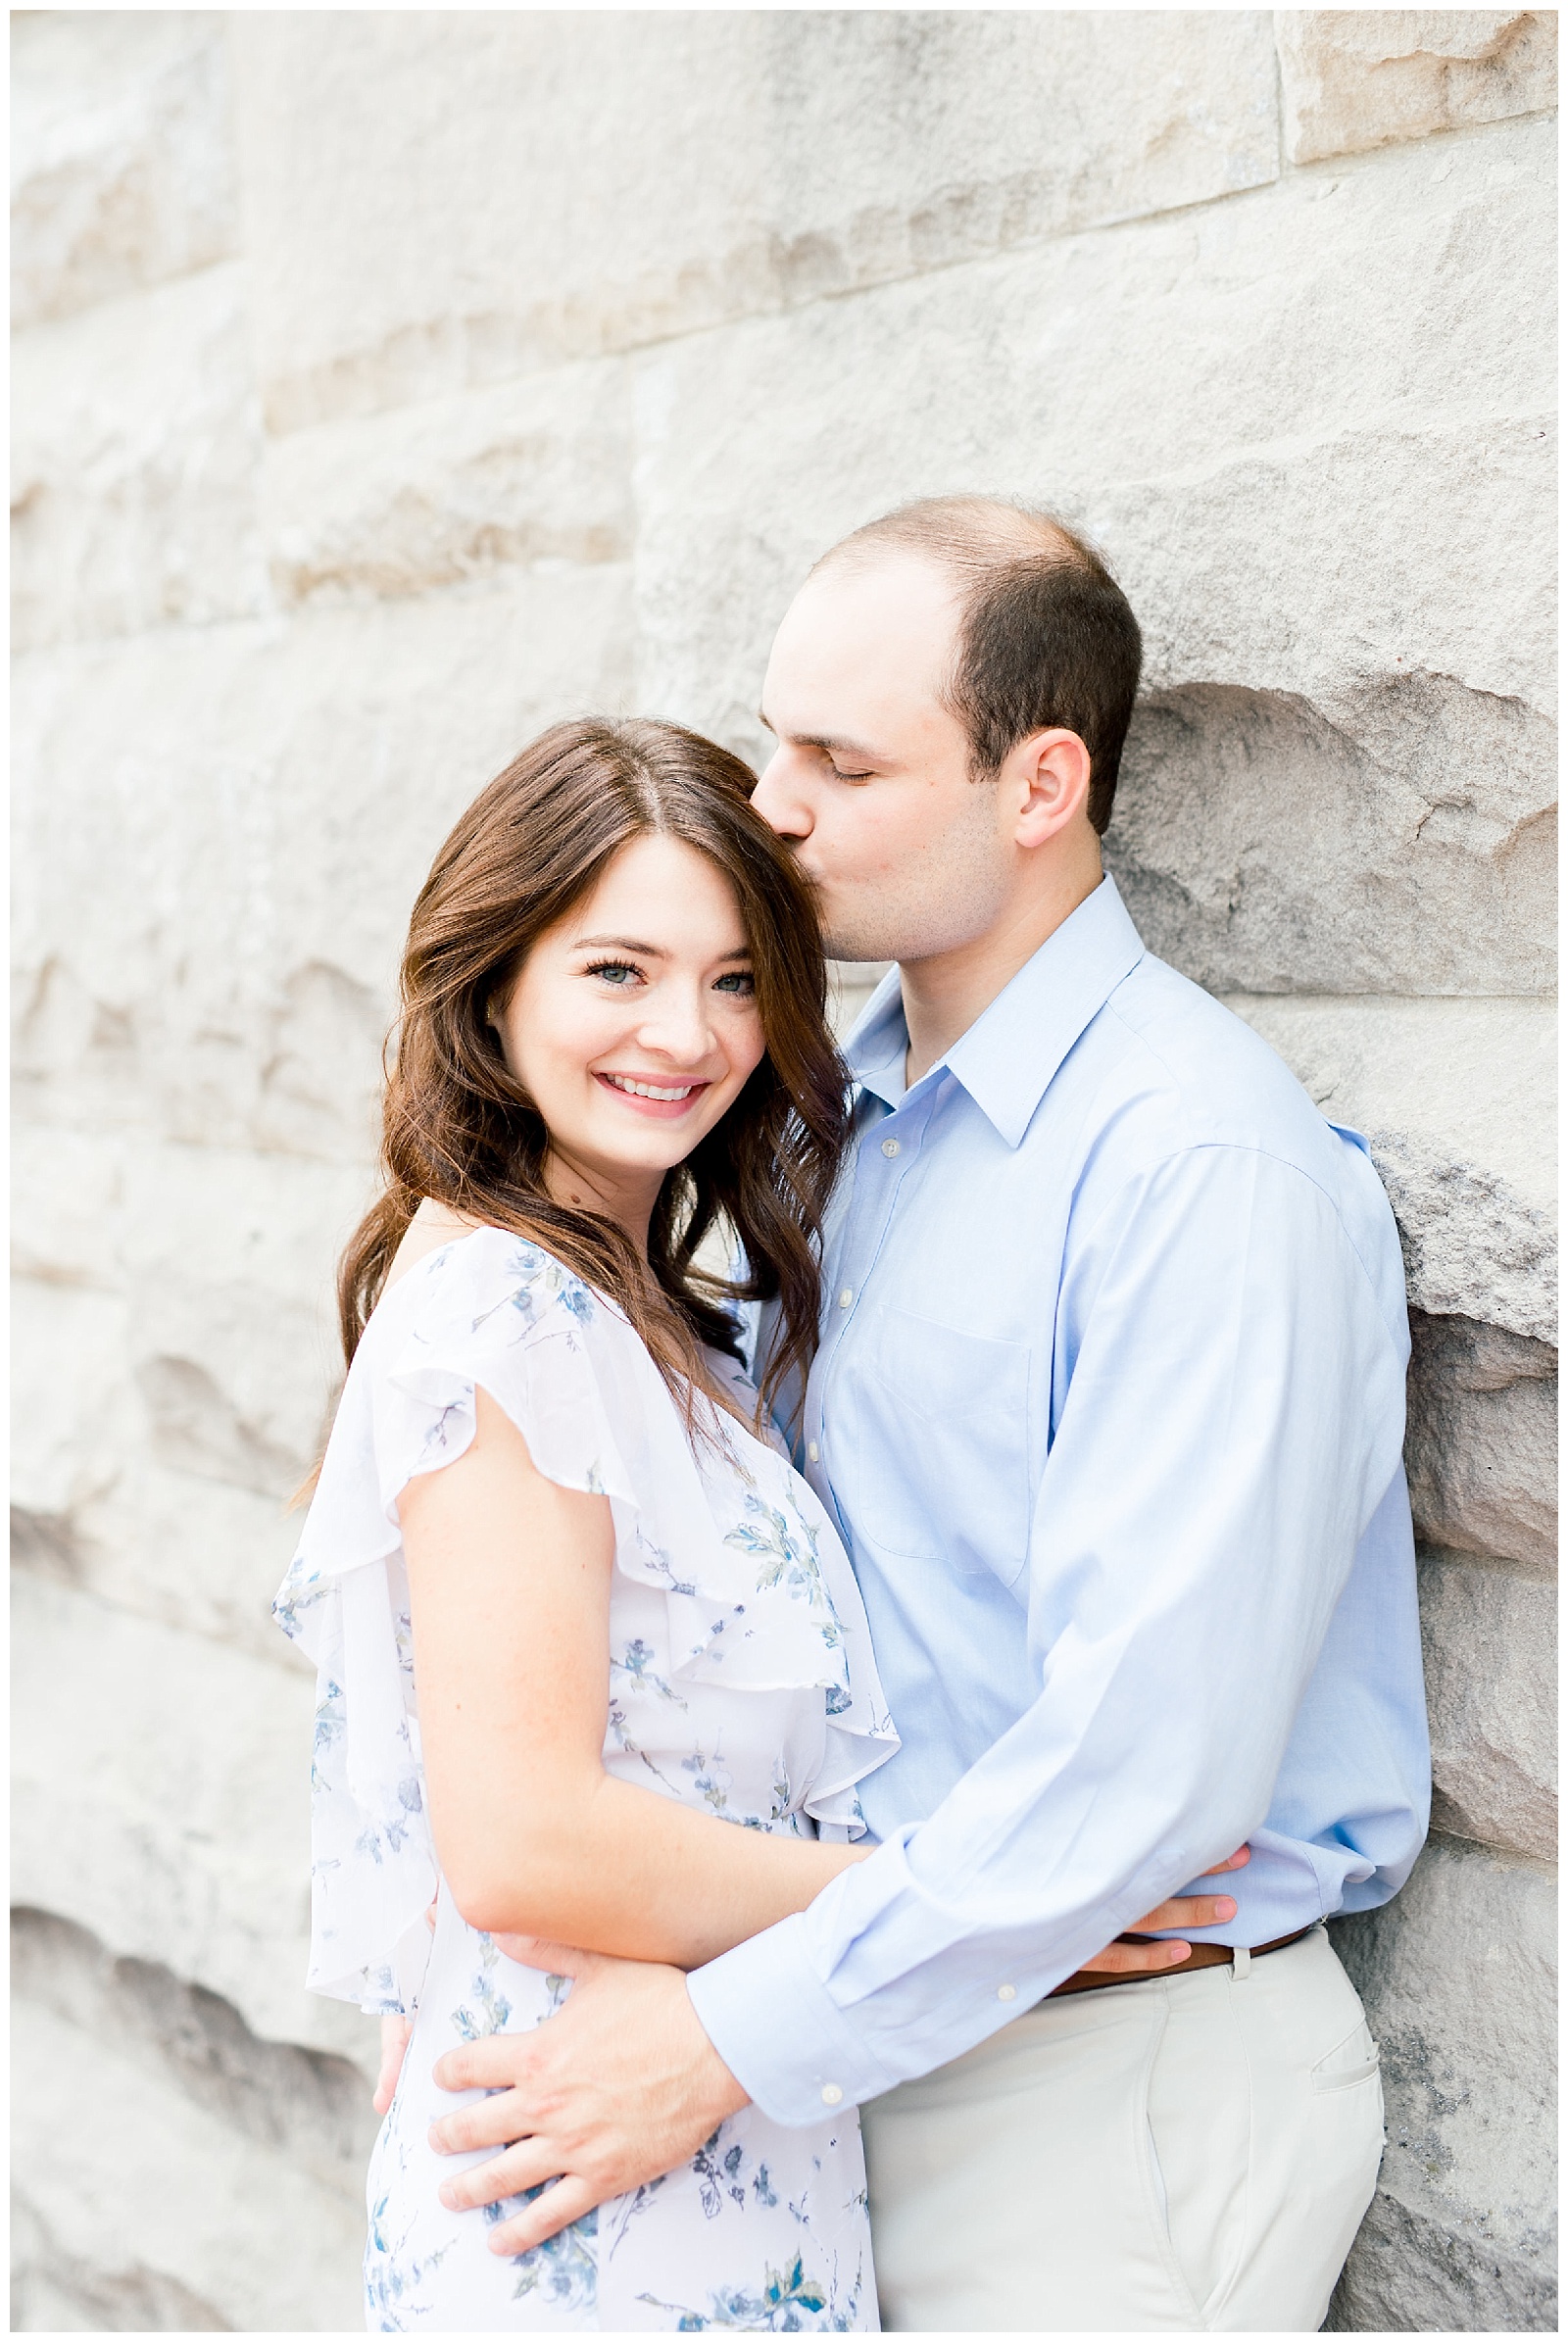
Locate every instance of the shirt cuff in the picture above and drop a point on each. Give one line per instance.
(781, 2032)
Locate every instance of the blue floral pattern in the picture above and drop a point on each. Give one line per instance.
(740, 1683)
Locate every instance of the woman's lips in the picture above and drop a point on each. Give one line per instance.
(670, 1099)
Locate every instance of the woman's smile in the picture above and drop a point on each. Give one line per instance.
(665, 1101)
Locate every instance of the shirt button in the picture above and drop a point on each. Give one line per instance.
(812, 1451)
(832, 2095)
(890, 1147)
(1007, 1992)
(846, 1296)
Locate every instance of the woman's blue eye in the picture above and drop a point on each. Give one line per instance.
(612, 971)
(740, 982)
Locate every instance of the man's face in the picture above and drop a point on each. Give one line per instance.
(870, 780)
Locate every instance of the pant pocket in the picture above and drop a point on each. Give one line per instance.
(1351, 2061)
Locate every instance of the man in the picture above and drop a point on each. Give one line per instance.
(1108, 1407)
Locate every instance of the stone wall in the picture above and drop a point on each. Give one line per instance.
(389, 384)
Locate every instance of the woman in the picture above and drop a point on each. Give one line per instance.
(545, 1485)
(571, 1609)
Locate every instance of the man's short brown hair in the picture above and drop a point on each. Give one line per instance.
(1046, 635)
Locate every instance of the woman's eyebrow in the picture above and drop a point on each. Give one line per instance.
(618, 942)
(626, 943)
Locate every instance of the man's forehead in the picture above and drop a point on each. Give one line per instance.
(879, 578)
(864, 627)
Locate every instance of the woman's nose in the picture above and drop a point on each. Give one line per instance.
(677, 1025)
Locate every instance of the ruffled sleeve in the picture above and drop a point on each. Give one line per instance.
(490, 1309)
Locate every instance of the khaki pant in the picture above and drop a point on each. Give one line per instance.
(1191, 2155)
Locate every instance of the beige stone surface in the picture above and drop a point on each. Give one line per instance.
(149, 2210)
(176, 1351)
(1480, 1447)
(122, 161)
(136, 464)
(1459, 1979)
(192, 1552)
(161, 1800)
(67, 1363)
(1456, 1099)
(1490, 1638)
(1358, 77)
(1399, 837)
(202, 1292)
(530, 471)
(560, 186)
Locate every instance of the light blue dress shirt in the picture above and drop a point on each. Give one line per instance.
(1108, 1408)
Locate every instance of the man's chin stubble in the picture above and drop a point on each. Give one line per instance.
(917, 933)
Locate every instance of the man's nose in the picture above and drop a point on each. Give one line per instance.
(781, 804)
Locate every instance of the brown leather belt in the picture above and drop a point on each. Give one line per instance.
(1202, 1955)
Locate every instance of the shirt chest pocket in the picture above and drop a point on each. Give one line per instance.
(936, 1465)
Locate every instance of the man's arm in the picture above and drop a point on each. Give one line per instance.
(1233, 1416)
(623, 2084)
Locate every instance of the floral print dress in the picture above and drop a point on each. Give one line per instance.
(741, 1683)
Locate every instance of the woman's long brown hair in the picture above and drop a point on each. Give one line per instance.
(457, 1127)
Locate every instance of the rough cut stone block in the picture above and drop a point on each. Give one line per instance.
(538, 470)
(210, 1313)
(1363, 306)
(67, 1195)
(1456, 1097)
(161, 1789)
(1490, 1638)
(68, 1352)
(1358, 77)
(1409, 2273)
(1459, 1974)
(251, 811)
(121, 158)
(136, 467)
(1480, 1446)
(136, 2208)
(1395, 837)
(229, 1263)
(173, 1546)
(313, 2105)
(563, 186)
(1377, 556)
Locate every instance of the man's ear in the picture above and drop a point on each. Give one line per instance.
(1048, 777)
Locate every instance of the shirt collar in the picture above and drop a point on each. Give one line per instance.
(1009, 1057)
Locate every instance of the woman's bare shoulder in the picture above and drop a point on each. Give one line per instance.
(433, 1226)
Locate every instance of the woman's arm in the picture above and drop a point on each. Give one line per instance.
(510, 1581)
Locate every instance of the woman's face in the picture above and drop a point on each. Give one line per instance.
(632, 1023)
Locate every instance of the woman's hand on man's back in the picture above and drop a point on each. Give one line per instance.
(1127, 1957)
